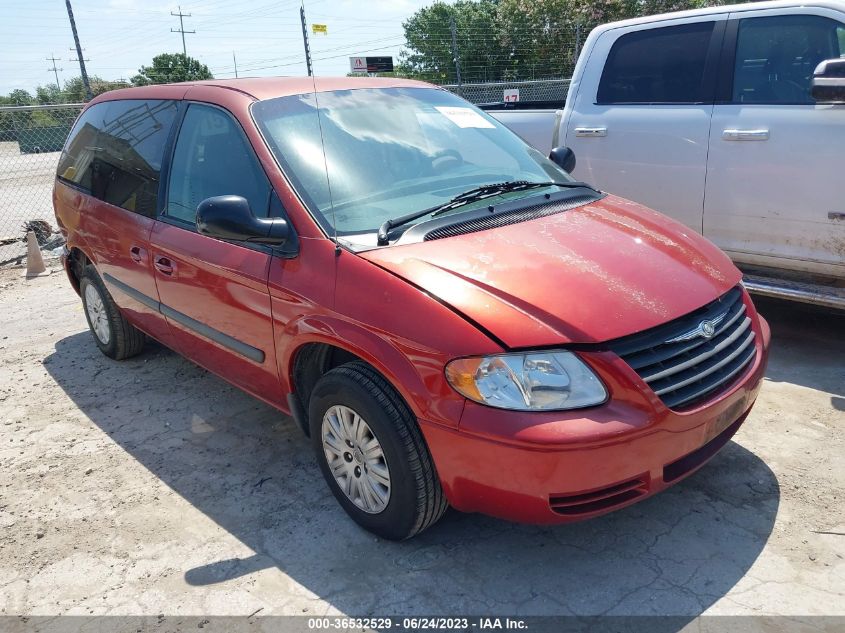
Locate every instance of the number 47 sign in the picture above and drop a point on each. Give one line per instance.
(511, 95)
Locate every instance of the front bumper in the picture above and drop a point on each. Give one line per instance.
(557, 468)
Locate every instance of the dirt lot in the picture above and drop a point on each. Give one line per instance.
(150, 486)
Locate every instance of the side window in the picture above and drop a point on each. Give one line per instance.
(115, 150)
(213, 158)
(776, 57)
(664, 65)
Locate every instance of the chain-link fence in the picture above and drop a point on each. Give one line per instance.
(493, 92)
(31, 138)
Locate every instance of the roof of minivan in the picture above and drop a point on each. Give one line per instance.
(270, 87)
(732, 8)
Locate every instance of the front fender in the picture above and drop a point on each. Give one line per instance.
(421, 383)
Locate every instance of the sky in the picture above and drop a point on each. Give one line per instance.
(119, 36)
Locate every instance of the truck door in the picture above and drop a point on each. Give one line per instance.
(639, 128)
(774, 191)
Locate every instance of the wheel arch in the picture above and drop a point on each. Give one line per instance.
(76, 262)
(333, 342)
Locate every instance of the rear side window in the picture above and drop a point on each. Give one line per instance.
(664, 65)
(114, 152)
(776, 57)
(213, 158)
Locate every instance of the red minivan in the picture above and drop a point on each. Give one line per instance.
(450, 317)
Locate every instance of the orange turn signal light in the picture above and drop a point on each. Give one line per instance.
(461, 375)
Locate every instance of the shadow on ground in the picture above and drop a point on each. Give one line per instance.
(249, 469)
(801, 332)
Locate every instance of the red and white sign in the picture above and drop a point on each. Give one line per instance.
(358, 64)
(511, 94)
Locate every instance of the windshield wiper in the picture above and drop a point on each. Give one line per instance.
(473, 195)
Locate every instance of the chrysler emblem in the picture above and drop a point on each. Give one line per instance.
(706, 330)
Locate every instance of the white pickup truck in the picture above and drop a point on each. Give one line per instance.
(729, 119)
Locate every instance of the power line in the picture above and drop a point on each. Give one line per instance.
(54, 59)
(85, 59)
(181, 28)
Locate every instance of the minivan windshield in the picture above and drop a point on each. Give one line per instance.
(390, 152)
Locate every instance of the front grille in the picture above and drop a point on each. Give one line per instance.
(681, 363)
(506, 218)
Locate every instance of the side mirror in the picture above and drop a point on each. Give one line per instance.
(564, 158)
(828, 84)
(230, 218)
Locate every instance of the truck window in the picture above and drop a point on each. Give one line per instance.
(664, 65)
(114, 152)
(776, 57)
(213, 158)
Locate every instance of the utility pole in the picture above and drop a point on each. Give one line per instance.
(305, 40)
(577, 51)
(70, 59)
(455, 56)
(235, 59)
(89, 95)
(54, 59)
(181, 28)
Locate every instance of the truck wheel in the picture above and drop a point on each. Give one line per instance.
(372, 453)
(114, 335)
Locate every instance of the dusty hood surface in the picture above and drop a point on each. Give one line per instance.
(587, 275)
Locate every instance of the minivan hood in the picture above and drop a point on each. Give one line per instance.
(587, 275)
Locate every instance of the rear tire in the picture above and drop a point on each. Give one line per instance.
(113, 334)
(405, 496)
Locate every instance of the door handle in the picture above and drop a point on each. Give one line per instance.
(137, 254)
(164, 265)
(591, 132)
(745, 135)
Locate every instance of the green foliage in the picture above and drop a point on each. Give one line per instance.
(171, 68)
(74, 90)
(20, 97)
(50, 93)
(514, 39)
(429, 42)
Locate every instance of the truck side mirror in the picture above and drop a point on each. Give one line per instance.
(828, 83)
(564, 158)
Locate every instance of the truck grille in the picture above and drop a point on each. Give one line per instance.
(693, 357)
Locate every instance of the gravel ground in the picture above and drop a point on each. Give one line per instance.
(150, 486)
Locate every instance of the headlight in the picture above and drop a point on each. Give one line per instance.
(531, 381)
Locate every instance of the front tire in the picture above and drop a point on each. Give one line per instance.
(372, 454)
(113, 334)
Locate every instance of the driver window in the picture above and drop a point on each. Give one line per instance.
(213, 158)
(776, 57)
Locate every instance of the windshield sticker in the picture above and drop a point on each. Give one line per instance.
(463, 117)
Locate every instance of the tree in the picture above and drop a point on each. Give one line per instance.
(50, 93)
(171, 68)
(514, 39)
(429, 41)
(20, 97)
(74, 91)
